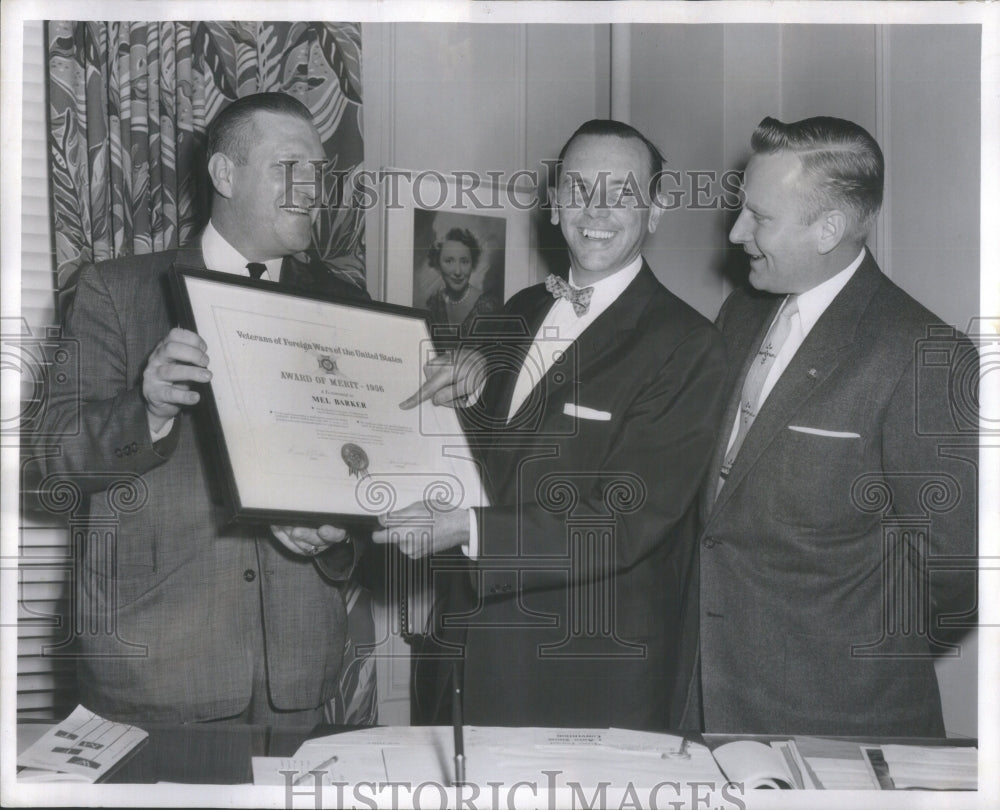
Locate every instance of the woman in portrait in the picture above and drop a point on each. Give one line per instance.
(458, 302)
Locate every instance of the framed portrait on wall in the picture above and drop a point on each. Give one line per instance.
(456, 245)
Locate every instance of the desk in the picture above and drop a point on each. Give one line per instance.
(216, 753)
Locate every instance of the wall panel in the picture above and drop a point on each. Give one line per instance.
(678, 102)
(933, 154)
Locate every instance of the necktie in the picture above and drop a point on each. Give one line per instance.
(756, 377)
(256, 269)
(579, 297)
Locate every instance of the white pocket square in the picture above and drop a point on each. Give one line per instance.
(580, 412)
(833, 434)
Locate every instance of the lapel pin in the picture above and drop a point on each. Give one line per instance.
(813, 373)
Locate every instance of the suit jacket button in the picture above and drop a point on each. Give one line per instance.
(249, 575)
(708, 542)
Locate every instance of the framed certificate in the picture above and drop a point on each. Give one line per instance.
(304, 404)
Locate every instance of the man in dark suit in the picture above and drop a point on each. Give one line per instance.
(594, 429)
(841, 500)
(210, 620)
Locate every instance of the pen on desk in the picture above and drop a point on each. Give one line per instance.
(326, 762)
(682, 752)
(456, 719)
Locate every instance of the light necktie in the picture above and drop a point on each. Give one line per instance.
(256, 269)
(753, 385)
(579, 297)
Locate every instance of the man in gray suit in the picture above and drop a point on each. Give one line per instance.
(841, 503)
(210, 620)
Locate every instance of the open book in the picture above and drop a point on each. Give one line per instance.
(758, 765)
(82, 748)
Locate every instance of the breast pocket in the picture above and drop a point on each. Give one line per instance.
(818, 467)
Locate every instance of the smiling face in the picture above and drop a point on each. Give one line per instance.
(602, 204)
(785, 253)
(264, 215)
(455, 266)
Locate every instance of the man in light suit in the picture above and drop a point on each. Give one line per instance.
(211, 620)
(841, 502)
(594, 428)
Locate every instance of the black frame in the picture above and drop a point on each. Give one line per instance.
(209, 419)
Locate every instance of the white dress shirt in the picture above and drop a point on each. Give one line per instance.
(222, 257)
(562, 326)
(812, 304)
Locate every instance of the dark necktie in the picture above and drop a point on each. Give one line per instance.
(579, 297)
(256, 269)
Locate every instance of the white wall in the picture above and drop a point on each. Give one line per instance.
(932, 151)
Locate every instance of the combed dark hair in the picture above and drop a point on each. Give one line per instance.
(231, 132)
(463, 235)
(608, 127)
(843, 163)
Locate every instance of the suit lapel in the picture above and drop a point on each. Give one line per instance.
(598, 338)
(621, 317)
(297, 271)
(533, 316)
(823, 350)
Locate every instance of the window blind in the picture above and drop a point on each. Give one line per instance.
(46, 684)
(37, 256)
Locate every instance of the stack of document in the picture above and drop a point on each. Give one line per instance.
(938, 768)
(82, 748)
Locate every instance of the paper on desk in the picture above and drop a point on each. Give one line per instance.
(509, 755)
(935, 768)
(351, 764)
(379, 736)
(30, 775)
(84, 745)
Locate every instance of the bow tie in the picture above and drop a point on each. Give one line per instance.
(579, 297)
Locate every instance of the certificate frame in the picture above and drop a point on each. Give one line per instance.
(288, 439)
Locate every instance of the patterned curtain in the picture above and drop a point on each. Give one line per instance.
(128, 107)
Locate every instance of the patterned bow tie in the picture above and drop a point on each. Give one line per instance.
(579, 297)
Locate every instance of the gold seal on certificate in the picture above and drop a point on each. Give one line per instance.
(356, 459)
(304, 403)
